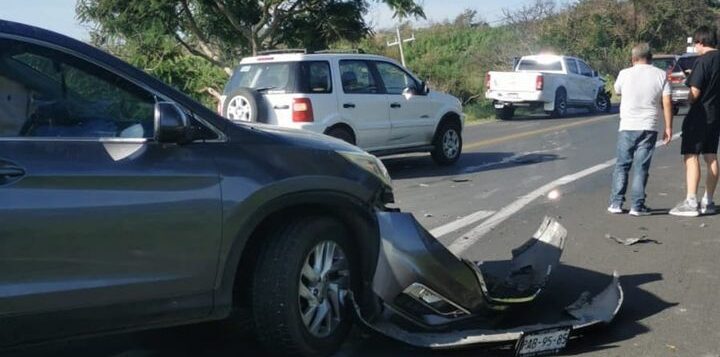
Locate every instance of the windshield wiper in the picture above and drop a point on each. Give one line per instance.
(264, 89)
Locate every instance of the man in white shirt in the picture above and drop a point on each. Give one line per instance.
(645, 95)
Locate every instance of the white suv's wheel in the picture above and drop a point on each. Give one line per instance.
(448, 144)
(242, 105)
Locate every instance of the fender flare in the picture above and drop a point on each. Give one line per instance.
(347, 200)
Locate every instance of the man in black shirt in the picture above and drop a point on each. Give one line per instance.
(701, 127)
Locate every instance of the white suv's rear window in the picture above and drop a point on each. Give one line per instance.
(261, 76)
(311, 77)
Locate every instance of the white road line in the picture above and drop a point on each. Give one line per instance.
(460, 223)
(465, 241)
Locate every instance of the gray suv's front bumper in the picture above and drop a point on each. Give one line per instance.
(434, 299)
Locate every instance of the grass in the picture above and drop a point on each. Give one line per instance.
(479, 111)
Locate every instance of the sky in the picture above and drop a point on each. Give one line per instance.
(59, 15)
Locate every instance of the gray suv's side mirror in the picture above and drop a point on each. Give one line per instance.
(595, 74)
(171, 123)
(424, 88)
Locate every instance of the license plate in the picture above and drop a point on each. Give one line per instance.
(543, 342)
(499, 106)
(512, 95)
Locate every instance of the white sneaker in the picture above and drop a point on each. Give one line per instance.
(615, 208)
(685, 209)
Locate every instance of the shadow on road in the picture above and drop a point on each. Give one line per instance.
(524, 115)
(423, 166)
(214, 339)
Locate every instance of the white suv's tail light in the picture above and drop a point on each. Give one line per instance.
(487, 81)
(302, 110)
(539, 82)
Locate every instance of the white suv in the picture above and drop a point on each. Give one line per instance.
(366, 100)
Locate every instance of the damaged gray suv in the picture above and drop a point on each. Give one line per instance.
(126, 205)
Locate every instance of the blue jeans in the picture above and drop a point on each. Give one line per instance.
(634, 148)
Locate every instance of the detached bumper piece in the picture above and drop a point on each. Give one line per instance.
(434, 299)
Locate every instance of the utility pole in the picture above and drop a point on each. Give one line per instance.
(399, 42)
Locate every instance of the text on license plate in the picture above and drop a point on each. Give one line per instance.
(543, 342)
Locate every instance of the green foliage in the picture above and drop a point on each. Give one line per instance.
(454, 56)
(190, 43)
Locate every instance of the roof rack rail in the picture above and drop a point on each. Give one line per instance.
(283, 50)
(349, 50)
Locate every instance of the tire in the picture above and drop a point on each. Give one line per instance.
(448, 144)
(277, 302)
(560, 104)
(243, 105)
(506, 113)
(342, 134)
(602, 103)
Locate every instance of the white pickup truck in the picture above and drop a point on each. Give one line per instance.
(553, 83)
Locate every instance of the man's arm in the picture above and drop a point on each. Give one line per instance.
(618, 83)
(667, 112)
(694, 94)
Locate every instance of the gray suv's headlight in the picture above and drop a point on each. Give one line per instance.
(368, 163)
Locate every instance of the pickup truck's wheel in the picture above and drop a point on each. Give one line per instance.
(243, 104)
(300, 287)
(560, 104)
(448, 144)
(602, 103)
(505, 113)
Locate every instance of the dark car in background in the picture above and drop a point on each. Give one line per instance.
(678, 67)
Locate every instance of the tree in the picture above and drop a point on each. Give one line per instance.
(221, 31)
(189, 43)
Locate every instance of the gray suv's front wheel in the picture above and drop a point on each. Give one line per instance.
(301, 287)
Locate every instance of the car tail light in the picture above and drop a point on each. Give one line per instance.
(302, 110)
(676, 78)
(487, 81)
(539, 83)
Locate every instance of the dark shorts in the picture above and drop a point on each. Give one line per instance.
(699, 137)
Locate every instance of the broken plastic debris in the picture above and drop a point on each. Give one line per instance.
(461, 179)
(424, 185)
(428, 215)
(703, 225)
(632, 240)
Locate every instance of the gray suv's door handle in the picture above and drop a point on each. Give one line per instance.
(11, 171)
(395, 105)
(281, 107)
(348, 105)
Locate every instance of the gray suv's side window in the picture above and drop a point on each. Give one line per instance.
(48, 93)
(394, 78)
(357, 77)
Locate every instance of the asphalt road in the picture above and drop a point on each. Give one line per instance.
(492, 201)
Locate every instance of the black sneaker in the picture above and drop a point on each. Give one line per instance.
(640, 211)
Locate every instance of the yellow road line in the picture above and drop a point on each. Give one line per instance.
(526, 134)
